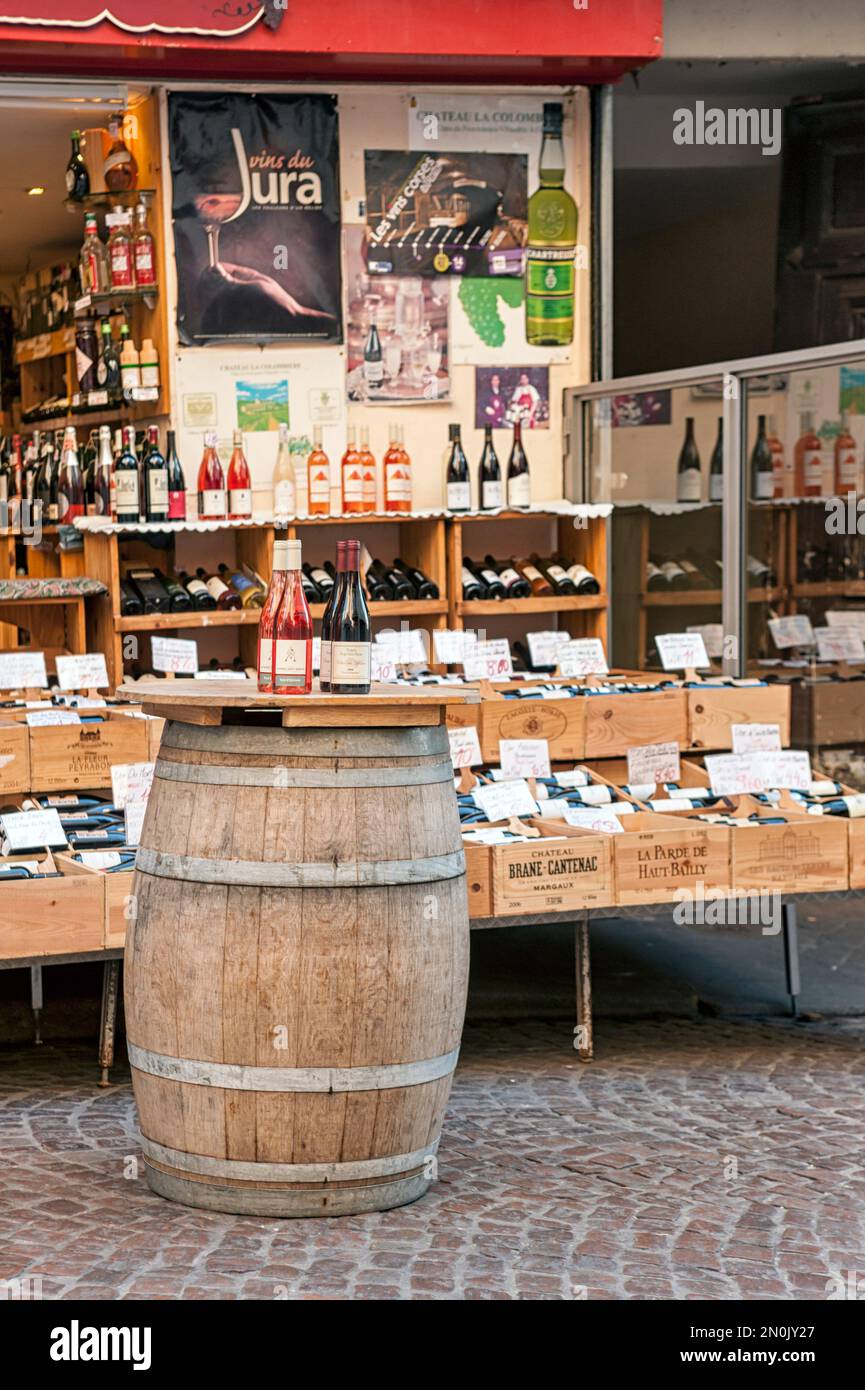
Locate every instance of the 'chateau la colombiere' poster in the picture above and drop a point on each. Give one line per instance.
(256, 217)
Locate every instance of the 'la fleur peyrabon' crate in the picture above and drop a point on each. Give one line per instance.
(14, 757)
(63, 756)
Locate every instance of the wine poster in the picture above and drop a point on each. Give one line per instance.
(459, 213)
(256, 211)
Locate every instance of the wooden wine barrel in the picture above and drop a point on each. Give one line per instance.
(296, 970)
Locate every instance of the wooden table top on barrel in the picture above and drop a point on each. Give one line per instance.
(208, 701)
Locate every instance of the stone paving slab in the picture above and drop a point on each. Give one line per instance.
(692, 1159)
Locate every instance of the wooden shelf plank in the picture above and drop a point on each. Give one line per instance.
(554, 603)
(159, 622)
(704, 598)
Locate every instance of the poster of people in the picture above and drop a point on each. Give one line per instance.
(460, 213)
(504, 395)
(256, 208)
(396, 333)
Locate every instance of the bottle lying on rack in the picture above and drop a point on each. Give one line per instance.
(247, 585)
(202, 599)
(226, 598)
(487, 578)
(515, 579)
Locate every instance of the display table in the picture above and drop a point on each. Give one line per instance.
(297, 964)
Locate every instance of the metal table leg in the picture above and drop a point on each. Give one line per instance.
(108, 1020)
(36, 1002)
(583, 1043)
(791, 955)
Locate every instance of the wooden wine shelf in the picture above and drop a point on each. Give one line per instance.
(166, 622)
(553, 603)
(407, 608)
(831, 588)
(704, 598)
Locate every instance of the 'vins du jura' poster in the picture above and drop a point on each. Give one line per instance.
(256, 217)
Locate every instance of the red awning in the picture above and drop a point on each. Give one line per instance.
(543, 41)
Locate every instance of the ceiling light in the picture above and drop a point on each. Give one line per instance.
(63, 96)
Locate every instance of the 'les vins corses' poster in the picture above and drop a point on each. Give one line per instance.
(256, 217)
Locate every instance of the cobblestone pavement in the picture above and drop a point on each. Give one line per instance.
(692, 1159)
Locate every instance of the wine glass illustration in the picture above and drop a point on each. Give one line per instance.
(213, 210)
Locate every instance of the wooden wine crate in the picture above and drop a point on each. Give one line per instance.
(658, 855)
(827, 712)
(561, 722)
(615, 723)
(51, 916)
(478, 880)
(807, 854)
(713, 710)
(856, 852)
(565, 869)
(63, 756)
(116, 895)
(14, 757)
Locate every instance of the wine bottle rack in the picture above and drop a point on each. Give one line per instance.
(434, 544)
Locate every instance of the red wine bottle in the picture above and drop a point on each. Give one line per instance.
(351, 645)
(327, 617)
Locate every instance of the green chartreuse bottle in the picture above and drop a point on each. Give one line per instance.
(552, 243)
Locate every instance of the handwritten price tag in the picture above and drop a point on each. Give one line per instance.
(839, 644)
(795, 631)
(82, 672)
(756, 738)
(382, 664)
(23, 830)
(131, 782)
(544, 647)
(490, 661)
(174, 654)
(584, 656)
(406, 648)
(680, 651)
(465, 747)
(653, 762)
(19, 670)
(713, 636)
(39, 717)
(133, 816)
(451, 648)
(594, 818)
(524, 757)
(732, 773)
(500, 800)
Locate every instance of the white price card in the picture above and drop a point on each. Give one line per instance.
(465, 746)
(451, 648)
(544, 646)
(23, 830)
(594, 818)
(131, 782)
(756, 738)
(133, 816)
(583, 656)
(653, 762)
(174, 654)
(382, 665)
(82, 672)
(500, 800)
(682, 650)
(524, 757)
(406, 648)
(489, 661)
(100, 859)
(219, 675)
(21, 669)
(839, 644)
(732, 773)
(39, 717)
(795, 631)
(316, 653)
(839, 617)
(713, 636)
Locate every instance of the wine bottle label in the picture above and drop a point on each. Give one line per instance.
(519, 491)
(321, 577)
(177, 506)
(716, 487)
(319, 486)
(149, 374)
(101, 371)
(764, 486)
(688, 567)
(688, 485)
(509, 576)
(241, 583)
(397, 482)
(212, 502)
(855, 804)
(126, 489)
(352, 486)
(577, 573)
(324, 662)
(369, 486)
(130, 375)
(283, 497)
(595, 795)
(531, 573)
(70, 180)
(120, 263)
(83, 363)
(812, 468)
(490, 576)
(557, 573)
(756, 567)
(848, 469)
(240, 501)
(374, 372)
(145, 273)
(671, 570)
(196, 586)
(215, 587)
(157, 487)
(350, 663)
(468, 577)
(491, 495)
(265, 660)
(459, 497)
(291, 659)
